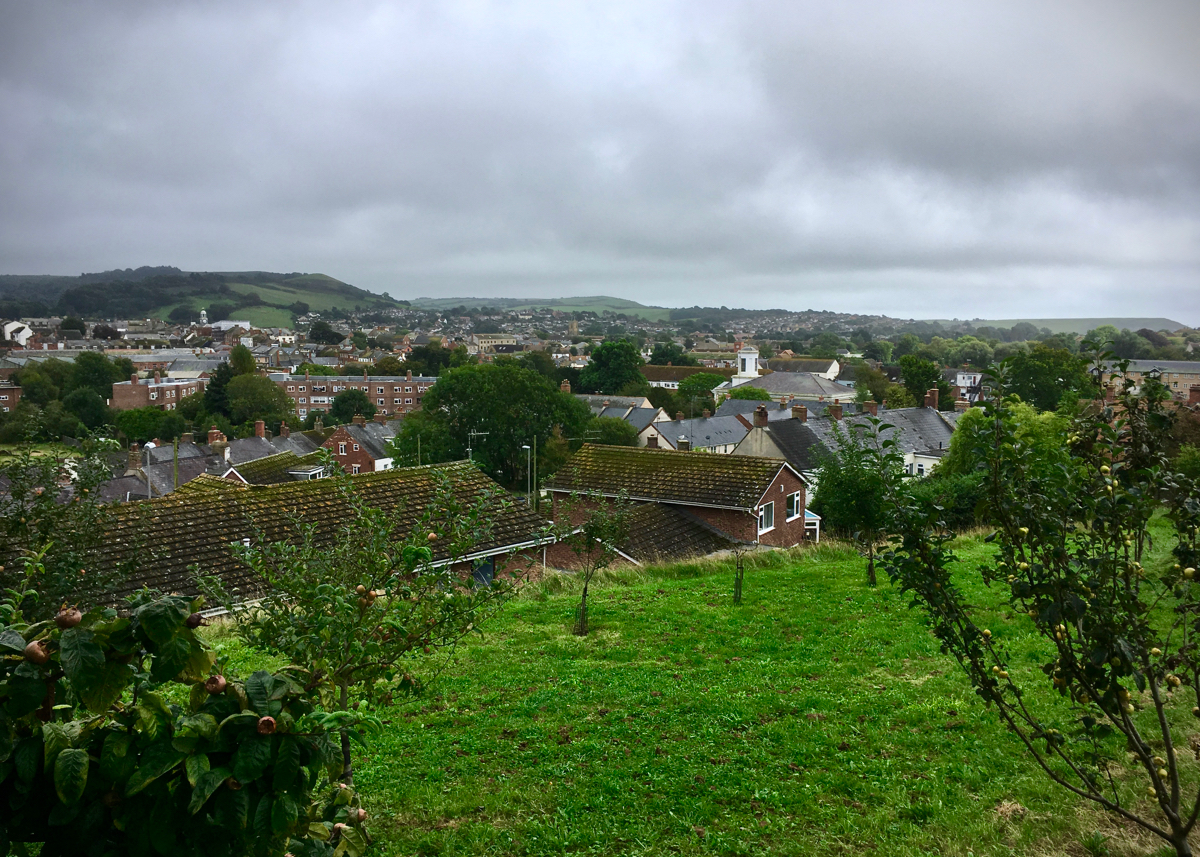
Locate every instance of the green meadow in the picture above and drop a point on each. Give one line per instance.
(817, 717)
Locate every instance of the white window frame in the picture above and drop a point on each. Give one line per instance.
(341, 449)
(356, 468)
(793, 500)
(766, 515)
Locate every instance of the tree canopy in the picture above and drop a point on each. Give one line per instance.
(349, 404)
(613, 366)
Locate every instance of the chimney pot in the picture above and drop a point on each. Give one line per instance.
(565, 386)
(259, 428)
(284, 431)
(213, 435)
(834, 411)
(685, 445)
(931, 398)
(760, 416)
(800, 412)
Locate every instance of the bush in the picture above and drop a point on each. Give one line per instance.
(99, 761)
(959, 496)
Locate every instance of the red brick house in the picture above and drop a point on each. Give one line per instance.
(10, 396)
(744, 498)
(362, 446)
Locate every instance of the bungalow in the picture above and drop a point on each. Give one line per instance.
(744, 499)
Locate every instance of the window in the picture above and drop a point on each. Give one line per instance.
(303, 412)
(408, 401)
(379, 389)
(356, 468)
(766, 517)
(356, 447)
(793, 505)
(154, 395)
(920, 469)
(396, 402)
(379, 401)
(341, 449)
(302, 388)
(408, 389)
(303, 400)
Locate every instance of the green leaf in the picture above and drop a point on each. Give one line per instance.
(231, 809)
(105, 686)
(81, 657)
(25, 759)
(195, 766)
(25, 695)
(162, 620)
(258, 690)
(12, 640)
(251, 758)
(208, 783)
(70, 774)
(284, 814)
(241, 718)
(156, 761)
(57, 737)
(262, 816)
(287, 765)
(116, 762)
(171, 659)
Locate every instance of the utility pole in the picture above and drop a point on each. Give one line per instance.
(472, 434)
(175, 444)
(537, 497)
(528, 476)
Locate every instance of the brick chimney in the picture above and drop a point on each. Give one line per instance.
(871, 408)
(284, 431)
(187, 437)
(1194, 394)
(359, 420)
(1110, 393)
(707, 413)
(834, 411)
(760, 416)
(319, 423)
(133, 379)
(157, 377)
(565, 386)
(259, 428)
(931, 398)
(365, 378)
(684, 445)
(214, 435)
(305, 374)
(678, 416)
(800, 412)
(381, 418)
(652, 441)
(408, 375)
(135, 456)
(961, 404)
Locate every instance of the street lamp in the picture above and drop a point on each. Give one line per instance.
(528, 476)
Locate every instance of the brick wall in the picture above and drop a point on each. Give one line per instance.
(354, 455)
(10, 397)
(389, 394)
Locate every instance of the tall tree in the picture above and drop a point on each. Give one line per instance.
(349, 404)
(669, 353)
(1043, 376)
(920, 376)
(613, 365)
(252, 397)
(241, 360)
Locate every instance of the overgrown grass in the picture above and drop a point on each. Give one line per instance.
(818, 717)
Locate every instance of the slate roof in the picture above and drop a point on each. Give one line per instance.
(802, 384)
(652, 372)
(639, 418)
(374, 437)
(745, 407)
(245, 449)
(155, 542)
(599, 403)
(300, 443)
(703, 432)
(799, 443)
(915, 430)
(802, 364)
(667, 476)
(661, 533)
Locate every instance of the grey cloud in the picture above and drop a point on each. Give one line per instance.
(862, 156)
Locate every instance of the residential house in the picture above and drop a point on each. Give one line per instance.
(1178, 376)
(10, 396)
(744, 499)
(670, 376)
(157, 543)
(705, 433)
(363, 446)
(159, 392)
(828, 369)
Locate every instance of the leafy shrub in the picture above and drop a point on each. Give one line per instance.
(96, 758)
(958, 495)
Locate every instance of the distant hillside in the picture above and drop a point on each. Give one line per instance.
(1073, 325)
(598, 304)
(265, 298)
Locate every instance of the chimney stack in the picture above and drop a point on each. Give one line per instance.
(157, 377)
(961, 404)
(284, 431)
(133, 379)
(359, 420)
(381, 418)
(214, 435)
(565, 386)
(800, 412)
(685, 445)
(678, 416)
(305, 374)
(707, 413)
(834, 411)
(931, 398)
(187, 437)
(319, 423)
(408, 375)
(1110, 392)
(871, 408)
(652, 441)
(1194, 394)
(760, 416)
(259, 428)
(135, 456)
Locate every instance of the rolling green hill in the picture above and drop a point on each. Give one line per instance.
(265, 298)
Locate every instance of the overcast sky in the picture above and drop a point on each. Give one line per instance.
(916, 159)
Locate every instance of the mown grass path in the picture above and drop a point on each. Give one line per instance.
(818, 717)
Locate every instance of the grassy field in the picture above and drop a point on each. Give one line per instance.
(818, 717)
(598, 304)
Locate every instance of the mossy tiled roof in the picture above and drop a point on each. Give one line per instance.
(273, 469)
(661, 533)
(690, 478)
(154, 543)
